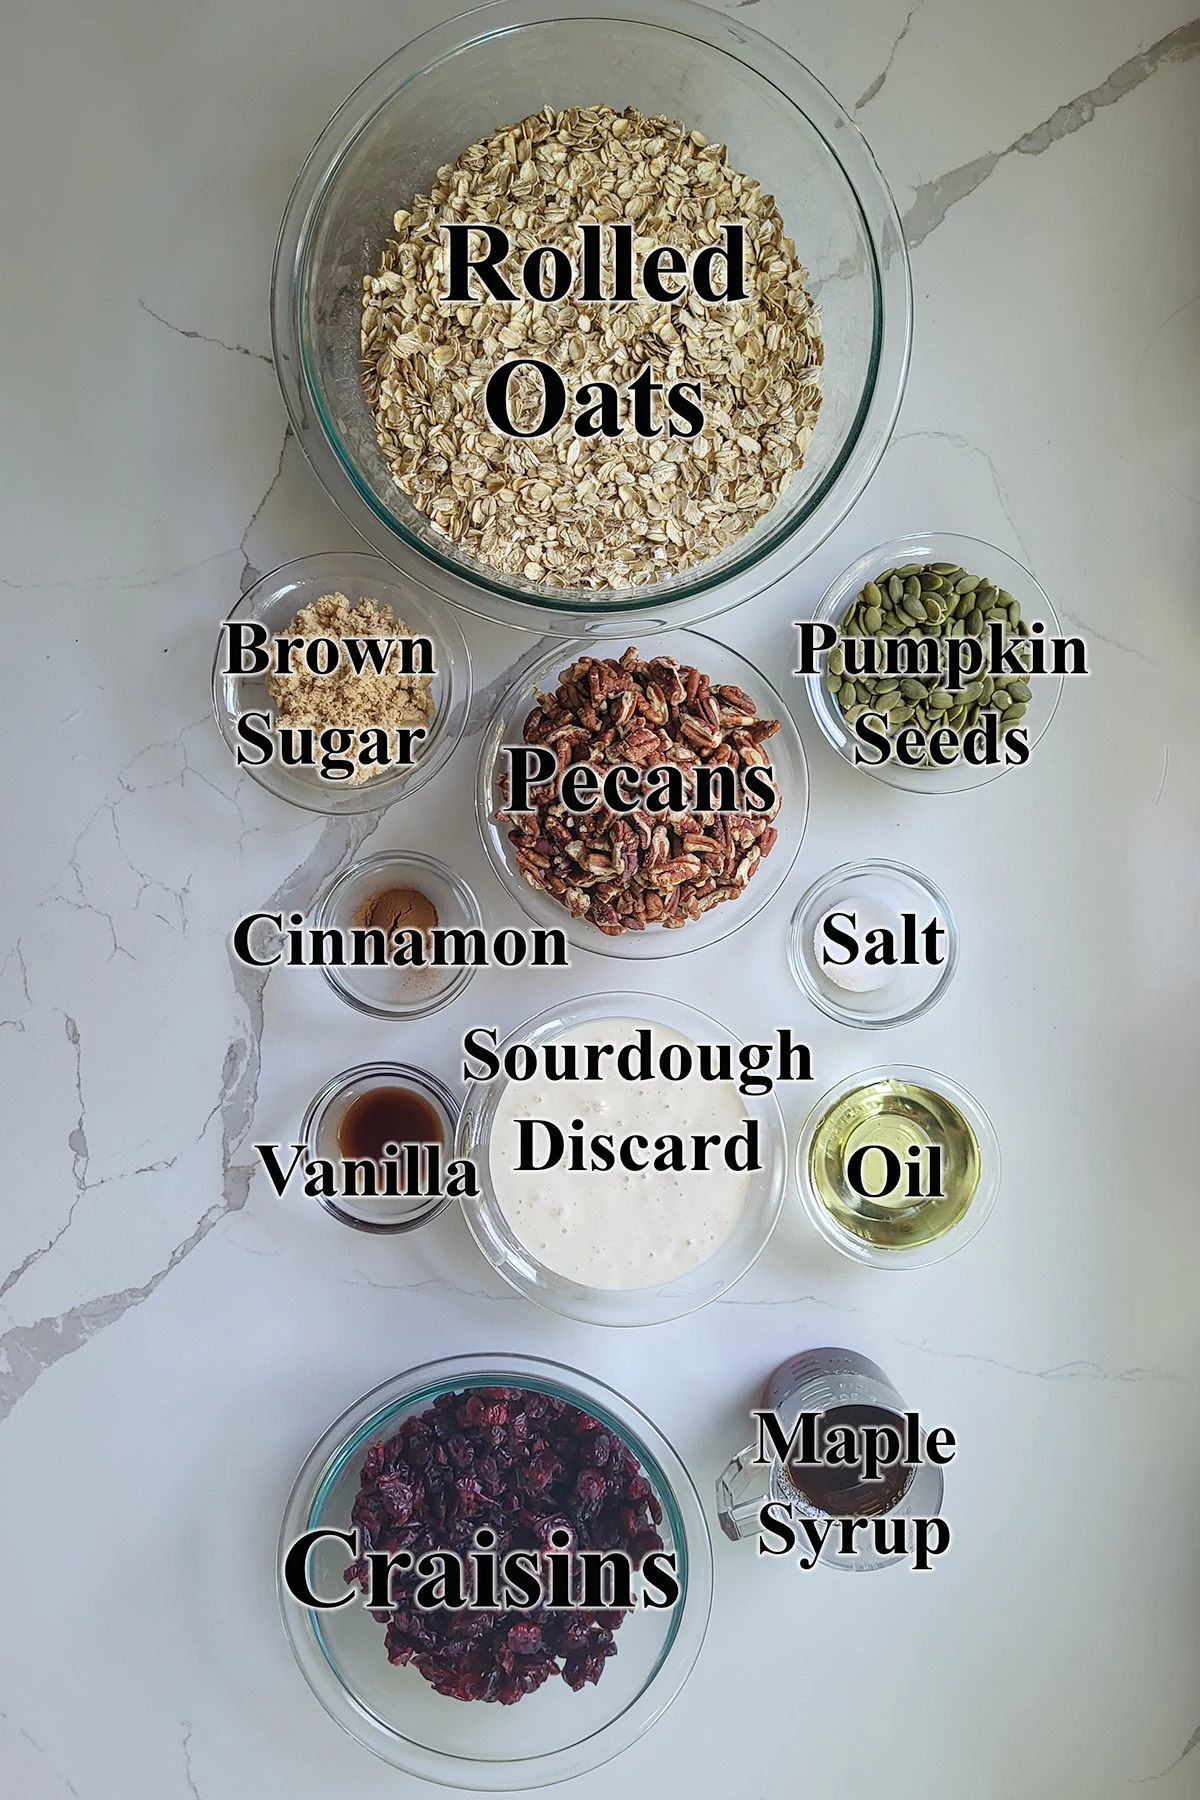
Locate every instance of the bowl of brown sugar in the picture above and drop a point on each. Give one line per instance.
(339, 685)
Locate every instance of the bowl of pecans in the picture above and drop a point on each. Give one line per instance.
(647, 802)
(583, 308)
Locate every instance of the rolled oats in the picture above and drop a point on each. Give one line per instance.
(598, 512)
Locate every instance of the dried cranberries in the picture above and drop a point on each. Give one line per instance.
(525, 1464)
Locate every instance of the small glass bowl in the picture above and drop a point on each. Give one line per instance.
(459, 82)
(977, 558)
(552, 1734)
(785, 749)
(387, 992)
(319, 1132)
(275, 601)
(912, 990)
(922, 1255)
(621, 1306)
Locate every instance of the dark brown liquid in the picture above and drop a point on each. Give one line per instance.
(839, 1488)
(387, 1115)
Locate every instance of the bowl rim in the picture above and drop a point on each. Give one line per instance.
(958, 1235)
(517, 1264)
(836, 601)
(463, 892)
(799, 950)
(449, 723)
(675, 1486)
(654, 944)
(484, 590)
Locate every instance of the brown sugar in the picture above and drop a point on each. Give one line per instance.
(387, 700)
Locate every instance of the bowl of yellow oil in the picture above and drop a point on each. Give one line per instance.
(898, 1167)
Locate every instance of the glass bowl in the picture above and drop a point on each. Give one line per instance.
(621, 1306)
(460, 81)
(547, 1736)
(274, 601)
(913, 989)
(387, 992)
(319, 1133)
(723, 665)
(977, 558)
(962, 1231)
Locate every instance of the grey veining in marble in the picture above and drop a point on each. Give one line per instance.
(172, 1338)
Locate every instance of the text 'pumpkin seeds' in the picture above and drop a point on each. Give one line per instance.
(928, 600)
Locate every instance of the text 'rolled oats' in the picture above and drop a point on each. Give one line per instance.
(597, 512)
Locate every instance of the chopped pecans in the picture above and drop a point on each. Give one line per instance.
(626, 871)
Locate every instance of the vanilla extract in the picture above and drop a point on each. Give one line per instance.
(414, 1171)
(384, 1118)
(390, 1144)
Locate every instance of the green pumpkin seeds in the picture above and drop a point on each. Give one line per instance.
(920, 602)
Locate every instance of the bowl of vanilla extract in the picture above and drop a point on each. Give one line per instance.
(380, 1134)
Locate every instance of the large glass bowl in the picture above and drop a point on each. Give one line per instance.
(977, 558)
(605, 1305)
(552, 1734)
(723, 666)
(457, 83)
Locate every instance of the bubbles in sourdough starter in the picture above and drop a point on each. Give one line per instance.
(621, 1228)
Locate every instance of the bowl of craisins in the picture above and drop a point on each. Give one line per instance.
(645, 881)
(477, 1457)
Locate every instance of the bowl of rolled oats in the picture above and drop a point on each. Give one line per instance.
(584, 309)
(646, 800)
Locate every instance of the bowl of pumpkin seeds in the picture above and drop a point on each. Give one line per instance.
(932, 683)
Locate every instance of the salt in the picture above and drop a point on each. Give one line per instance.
(858, 976)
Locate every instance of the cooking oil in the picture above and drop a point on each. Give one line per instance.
(894, 1163)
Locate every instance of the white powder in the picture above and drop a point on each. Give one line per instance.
(859, 976)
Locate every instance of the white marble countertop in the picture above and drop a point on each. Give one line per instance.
(174, 1338)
